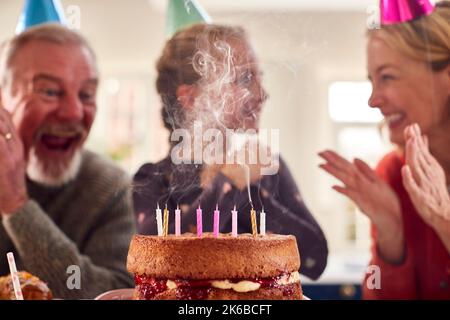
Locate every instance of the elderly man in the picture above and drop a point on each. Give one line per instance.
(66, 212)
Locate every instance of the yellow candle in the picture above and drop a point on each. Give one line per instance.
(166, 221)
(253, 217)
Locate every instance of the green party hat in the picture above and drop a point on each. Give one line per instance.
(182, 13)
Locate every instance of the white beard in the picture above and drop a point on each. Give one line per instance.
(53, 174)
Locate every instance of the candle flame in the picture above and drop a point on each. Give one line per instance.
(217, 207)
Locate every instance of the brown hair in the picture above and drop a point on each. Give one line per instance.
(175, 66)
(425, 39)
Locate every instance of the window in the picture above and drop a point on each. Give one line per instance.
(347, 102)
(356, 133)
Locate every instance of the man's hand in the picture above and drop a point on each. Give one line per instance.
(424, 179)
(13, 194)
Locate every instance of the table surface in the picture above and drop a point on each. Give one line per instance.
(342, 268)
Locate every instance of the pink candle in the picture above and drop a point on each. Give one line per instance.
(199, 222)
(177, 221)
(216, 221)
(234, 222)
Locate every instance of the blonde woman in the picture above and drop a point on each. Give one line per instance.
(406, 197)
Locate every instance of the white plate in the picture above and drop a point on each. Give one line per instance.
(120, 294)
(127, 294)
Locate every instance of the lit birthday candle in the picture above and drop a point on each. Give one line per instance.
(262, 223)
(199, 221)
(216, 221)
(159, 221)
(234, 222)
(177, 221)
(166, 221)
(253, 218)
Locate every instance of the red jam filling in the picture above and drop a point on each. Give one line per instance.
(148, 287)
(269, 282)
(192, 289)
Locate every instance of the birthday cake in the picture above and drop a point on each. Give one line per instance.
(188, 267)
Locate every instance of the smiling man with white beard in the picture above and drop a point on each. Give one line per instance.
(61, 206)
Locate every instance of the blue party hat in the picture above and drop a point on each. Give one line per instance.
(40, 11)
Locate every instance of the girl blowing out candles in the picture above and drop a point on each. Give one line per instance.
(210, 74)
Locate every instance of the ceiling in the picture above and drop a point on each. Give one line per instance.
(279, 5)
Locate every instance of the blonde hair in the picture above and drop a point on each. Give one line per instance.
(50, 32)
(175, 66)
(425, 39)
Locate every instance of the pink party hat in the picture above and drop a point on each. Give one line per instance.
(399, 11)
